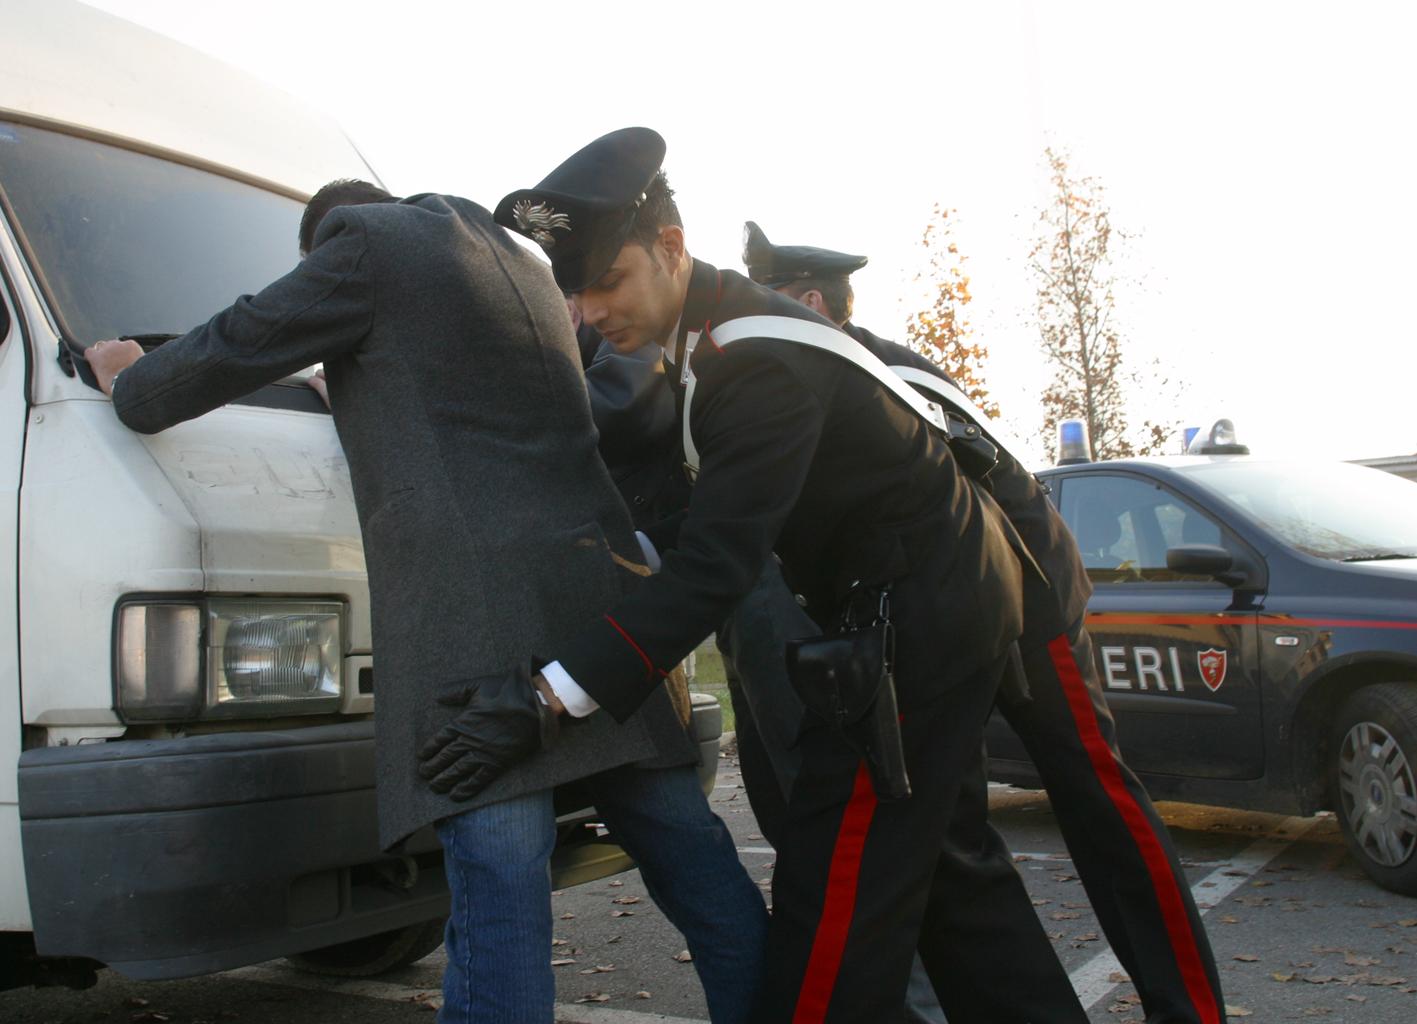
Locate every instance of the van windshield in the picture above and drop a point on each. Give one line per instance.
(126, 243)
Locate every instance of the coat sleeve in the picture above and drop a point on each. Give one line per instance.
(757, 426)
(321, 309)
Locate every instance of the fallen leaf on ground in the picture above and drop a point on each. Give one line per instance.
(626, 900)
(562, 961)
(595, 997)
(1278, 976)
(1248, 958)
(683, 956)
(641, 994)
(622, 913)
(1354, 960)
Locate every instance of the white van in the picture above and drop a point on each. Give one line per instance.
(187, 685)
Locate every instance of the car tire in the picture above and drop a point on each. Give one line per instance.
(1373, 781)
(376, 954)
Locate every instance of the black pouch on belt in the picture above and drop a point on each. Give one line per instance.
(845, 678)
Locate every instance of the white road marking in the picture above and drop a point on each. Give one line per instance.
(389, 993)
(1093, 980)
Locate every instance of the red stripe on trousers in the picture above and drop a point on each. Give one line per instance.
(829, 944)
(1163, 880)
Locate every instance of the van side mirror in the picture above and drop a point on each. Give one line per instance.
(1205, 560)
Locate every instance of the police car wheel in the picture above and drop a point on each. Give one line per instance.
(1374, 782)
(364, 958)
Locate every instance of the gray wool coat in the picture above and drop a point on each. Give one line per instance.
(489, 520)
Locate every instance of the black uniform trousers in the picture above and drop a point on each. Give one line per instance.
(855, 879)
(1120, 847)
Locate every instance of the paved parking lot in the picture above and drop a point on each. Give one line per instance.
(1299, 932)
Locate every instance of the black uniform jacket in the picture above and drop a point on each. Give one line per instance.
(1049, 607)
(804, 453)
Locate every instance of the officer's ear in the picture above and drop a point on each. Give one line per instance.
(813, 300)
(671, 245)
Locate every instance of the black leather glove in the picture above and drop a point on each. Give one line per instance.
(503, 722)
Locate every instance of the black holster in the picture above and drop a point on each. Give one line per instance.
(845, 678)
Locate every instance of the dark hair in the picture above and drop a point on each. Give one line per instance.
(837, 295)
(340, 192)
(656, 211)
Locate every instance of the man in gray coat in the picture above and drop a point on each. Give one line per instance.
(490, 528)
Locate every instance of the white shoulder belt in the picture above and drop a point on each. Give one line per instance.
(898, 380)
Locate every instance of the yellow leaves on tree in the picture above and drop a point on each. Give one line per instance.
(941, 333)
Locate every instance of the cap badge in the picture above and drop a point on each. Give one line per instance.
(538, 220)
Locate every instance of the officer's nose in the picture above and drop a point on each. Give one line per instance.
(592, 311)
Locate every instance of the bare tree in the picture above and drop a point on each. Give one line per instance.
(941, 333)
(1076, 326)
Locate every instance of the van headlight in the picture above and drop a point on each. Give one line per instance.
(228, 657)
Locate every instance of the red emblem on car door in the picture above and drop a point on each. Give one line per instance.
(1212, 666)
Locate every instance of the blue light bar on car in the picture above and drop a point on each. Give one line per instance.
(1073, 446)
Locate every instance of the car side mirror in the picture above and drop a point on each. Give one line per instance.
(1205, 560)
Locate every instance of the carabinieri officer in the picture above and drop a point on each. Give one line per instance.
(1121, 849)
(804, 453)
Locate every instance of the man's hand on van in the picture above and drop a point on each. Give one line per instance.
(317, 382)
(109, 357)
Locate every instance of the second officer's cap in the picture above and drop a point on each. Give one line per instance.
(777, 265)
(583, 211)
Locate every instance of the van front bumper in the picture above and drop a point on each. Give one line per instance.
(174, 858)
(171, 858)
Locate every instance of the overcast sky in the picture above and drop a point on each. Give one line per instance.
(1261, 155)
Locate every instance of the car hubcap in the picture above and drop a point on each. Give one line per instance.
(1379, 798)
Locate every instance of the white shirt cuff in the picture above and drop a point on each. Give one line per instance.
(578, 702)
(648, 549)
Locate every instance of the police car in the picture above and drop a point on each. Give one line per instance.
(1254, 623)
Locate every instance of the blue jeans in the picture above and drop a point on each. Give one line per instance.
(499, 930)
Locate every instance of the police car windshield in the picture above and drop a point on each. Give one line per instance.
(126, 243)
(1331, 510)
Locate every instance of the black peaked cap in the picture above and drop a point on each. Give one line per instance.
(777, 265)
(583, 211)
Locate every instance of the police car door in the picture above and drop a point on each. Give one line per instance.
(1176, 653)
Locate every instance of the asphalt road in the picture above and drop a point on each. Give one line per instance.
(1299, 931)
